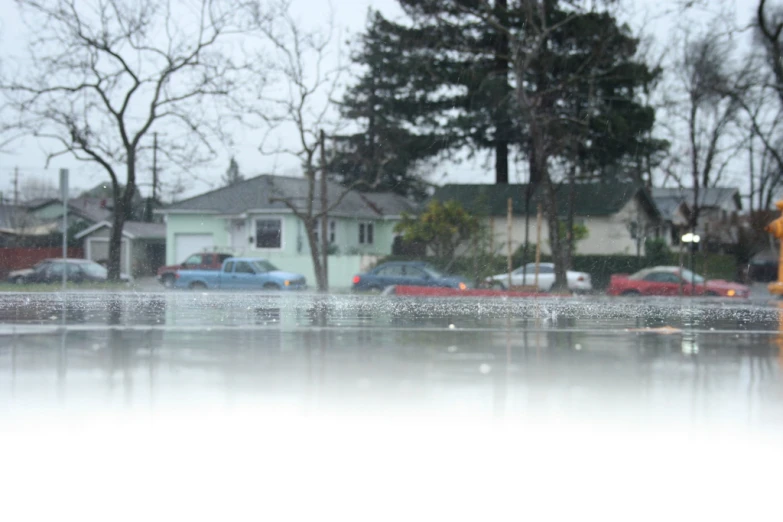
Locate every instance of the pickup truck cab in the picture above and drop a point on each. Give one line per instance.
(202, 261)
(240, 273)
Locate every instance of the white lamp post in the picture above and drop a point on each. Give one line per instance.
(690, 238)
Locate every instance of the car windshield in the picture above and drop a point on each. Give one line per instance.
(689, 277)
(94, 270)
(264, 266)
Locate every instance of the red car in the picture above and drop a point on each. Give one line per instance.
(667, 281)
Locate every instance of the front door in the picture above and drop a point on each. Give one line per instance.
(239, 236)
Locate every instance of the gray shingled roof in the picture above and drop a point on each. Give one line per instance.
(93, 209)
(668, 206)
(267, 192)
(142, 230)
(708, 197)
(390, 204)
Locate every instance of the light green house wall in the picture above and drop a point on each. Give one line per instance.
(294, 256)
(194, 224)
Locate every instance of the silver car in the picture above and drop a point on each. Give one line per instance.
(526, 276)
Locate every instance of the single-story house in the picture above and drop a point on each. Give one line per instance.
(142, 249)
(618, 216)
(254, 218)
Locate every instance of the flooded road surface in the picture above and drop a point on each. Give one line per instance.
(220, 406)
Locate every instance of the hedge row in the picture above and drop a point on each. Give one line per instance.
(600, 268)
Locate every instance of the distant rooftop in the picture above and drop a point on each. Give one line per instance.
(708, 197)
(269, 192)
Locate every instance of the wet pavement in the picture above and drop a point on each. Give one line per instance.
(404, 395)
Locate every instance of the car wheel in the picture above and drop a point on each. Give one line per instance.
(710, 293)
(198, 286)
(271, 286)
(18, 280)
(168, 281)
(631, 293)
(375, 289)
(497, 285)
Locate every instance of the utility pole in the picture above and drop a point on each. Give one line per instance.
(64, 198)
(154, 166)
(324, 216)
(16, 186)
(151, 201)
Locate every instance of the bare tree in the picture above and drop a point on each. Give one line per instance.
(307, 85)
(704, 102)
(103, 74)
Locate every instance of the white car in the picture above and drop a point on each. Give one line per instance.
(577, 281)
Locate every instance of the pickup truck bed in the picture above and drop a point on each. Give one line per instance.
(240, 274)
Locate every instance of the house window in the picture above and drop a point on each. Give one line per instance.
(366, 233)
(317, 231)
(269, 233)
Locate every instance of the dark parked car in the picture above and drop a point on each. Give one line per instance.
(51, 271)
(406, 273)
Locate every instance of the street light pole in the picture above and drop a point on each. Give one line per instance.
(690, 238)
(64, 196)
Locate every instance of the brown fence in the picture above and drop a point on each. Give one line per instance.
(17, 258)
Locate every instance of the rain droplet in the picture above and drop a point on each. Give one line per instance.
(485, 368)
(577, 347)
(452, 349)
(451, 327)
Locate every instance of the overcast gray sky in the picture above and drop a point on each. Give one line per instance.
(655, 18)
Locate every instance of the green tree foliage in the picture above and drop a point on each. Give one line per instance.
(397, 130)
(442, 81)
(442, 227)
(232, 174)
(579, 232)
(427, 88)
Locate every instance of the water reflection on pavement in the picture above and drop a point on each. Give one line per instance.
(590, 359)
(631, 384)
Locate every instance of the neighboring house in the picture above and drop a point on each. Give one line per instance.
(16, 223)
(719, 209)
(618, 216)
(142, 250)
(674, 216)
(250, 218)
(81, 211)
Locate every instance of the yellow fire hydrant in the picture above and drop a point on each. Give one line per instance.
(776, 229)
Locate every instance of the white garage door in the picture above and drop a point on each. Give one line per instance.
(187, 244)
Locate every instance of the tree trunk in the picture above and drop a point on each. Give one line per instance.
(315, 253)
(555, 241)
(568, 249)
(502, 121)
(115, 241)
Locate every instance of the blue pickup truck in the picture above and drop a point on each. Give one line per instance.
(240, 273)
